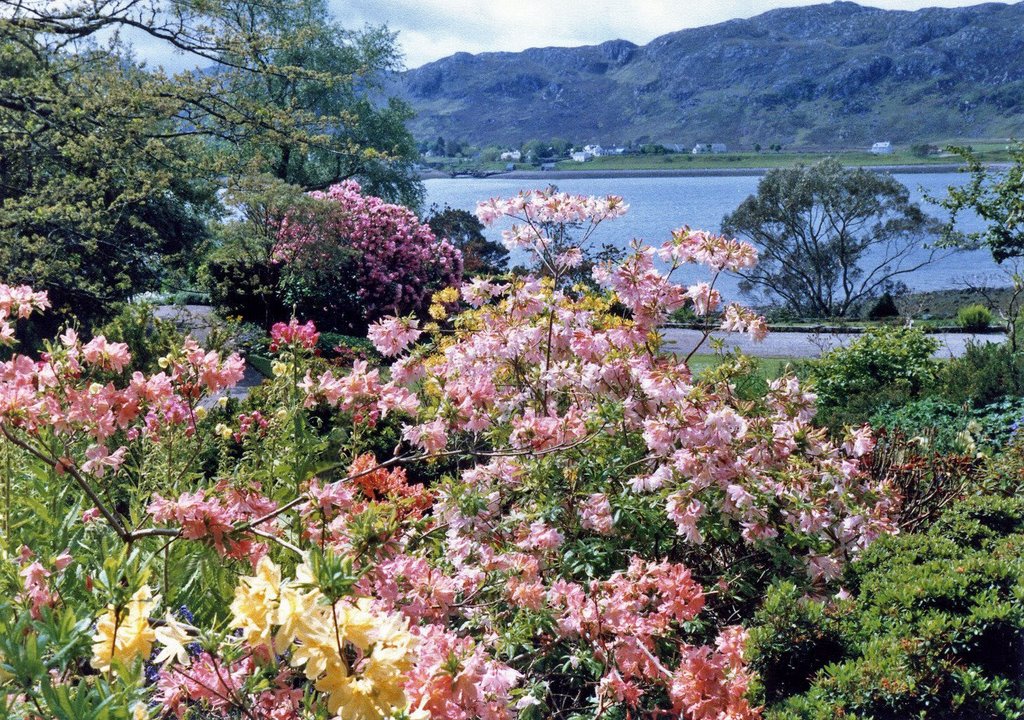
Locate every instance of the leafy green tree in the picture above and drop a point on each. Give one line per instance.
(829, 238)
(108, 170)
(463, 230)
(98, 197)
(996, 197)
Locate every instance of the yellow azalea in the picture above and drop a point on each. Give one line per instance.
(124, 634)
(201, 413)
(437, 312)
(224, 431)
(173, 636)
(255, 604)
(446, 297)
(356, 623)
(357, 698)
(297, 609)
(279, 368)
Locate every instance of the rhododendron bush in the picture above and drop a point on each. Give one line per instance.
(352, 258)
(532, 511)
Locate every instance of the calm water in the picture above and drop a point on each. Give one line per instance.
(658, 205)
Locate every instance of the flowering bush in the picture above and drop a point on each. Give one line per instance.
(566, 522)
(354, 258)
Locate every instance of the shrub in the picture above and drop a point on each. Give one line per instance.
(975, 318)
(884, 366)
(148, 337)
(984, 374)
(939, 423)
(884, 308)
(353, 258)
(934, 627)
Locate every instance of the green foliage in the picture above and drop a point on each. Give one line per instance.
(462, 229)
(830, 238)
(884, 366)
(933, 629)
(939, 422)
(984, 374)
(148, 338)
(109, 169)
(997, 197)
(975, 317)
(792, 638)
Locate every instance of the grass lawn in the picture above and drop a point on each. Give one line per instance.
(767, 368)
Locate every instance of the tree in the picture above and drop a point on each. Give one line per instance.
(997, 198)
(829, 238)
(109, 168)
(99, 194)
(465, 232)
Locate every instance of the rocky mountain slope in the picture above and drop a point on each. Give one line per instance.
(828, 76)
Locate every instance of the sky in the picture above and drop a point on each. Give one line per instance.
(431, 29)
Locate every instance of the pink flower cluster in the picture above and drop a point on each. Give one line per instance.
(216, 688)
(69, 392)
(305, 335)
(359, 393)
(392, 335)
(400, 262)
(540, 218)
(36, 592)
(212, 516)
(18, 302)
(454, 679)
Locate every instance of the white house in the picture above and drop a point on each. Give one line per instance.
(593, 150)
(513, 155)
(882, 148)
(701, 148)
(581, 156)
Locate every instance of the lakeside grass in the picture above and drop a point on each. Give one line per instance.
(986, 151)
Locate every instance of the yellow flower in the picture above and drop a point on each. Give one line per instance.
(255, 604)
(124, 634)
(173, 636)
(437, 312)
(278, 368)
(201, 413)
(297, 609)
(224, 431)
(446, 297)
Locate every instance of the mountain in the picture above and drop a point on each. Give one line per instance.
(823, 76)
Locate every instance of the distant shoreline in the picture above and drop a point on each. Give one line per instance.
(922, 169)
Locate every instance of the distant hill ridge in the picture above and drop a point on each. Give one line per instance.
(831, 75)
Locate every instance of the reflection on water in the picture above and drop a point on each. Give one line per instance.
(659, 204)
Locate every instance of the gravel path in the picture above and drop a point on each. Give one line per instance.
(196, 320)
(806, 345)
